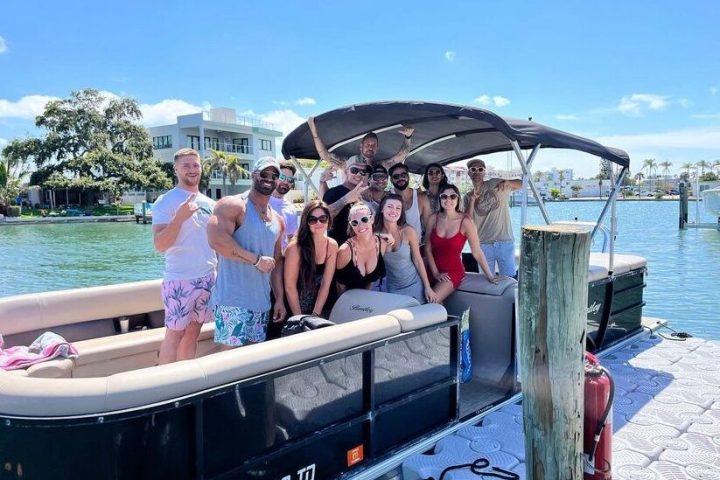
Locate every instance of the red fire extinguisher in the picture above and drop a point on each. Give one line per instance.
(597, 445)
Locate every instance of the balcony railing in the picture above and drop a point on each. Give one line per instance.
(223, 147)
(245, 121)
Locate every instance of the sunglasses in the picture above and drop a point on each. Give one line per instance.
(451, 196)
(358, 171)
(379, 177)
(269, 175)
(312, 220)
(433, 173)
(476, 169)
(398, 176)
(286, 178)
(355, 223)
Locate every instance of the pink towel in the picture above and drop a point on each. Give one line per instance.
(47, 346)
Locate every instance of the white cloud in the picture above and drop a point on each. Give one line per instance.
(3, 142)
(283, 120)
(684, 102)
(3, 45)
(487, 100)
(166, 111)
(703, 138)
(305, 101)
(713, 91)
(566, 117)
(281, 103)
(634, 104)
(27, 107)
(450, 55)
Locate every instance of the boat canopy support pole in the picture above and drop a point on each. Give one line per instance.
(526, 180)
(610, 205)
(526, 175)
(308, 177)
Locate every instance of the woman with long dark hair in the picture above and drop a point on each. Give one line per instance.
(310, 262)
(451, 228)
(404, 267)
(433, 181)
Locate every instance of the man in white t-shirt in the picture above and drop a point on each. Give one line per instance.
(278, 202)
(179, 220)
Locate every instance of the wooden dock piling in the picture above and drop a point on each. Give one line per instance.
(683, 218)
(553, 315)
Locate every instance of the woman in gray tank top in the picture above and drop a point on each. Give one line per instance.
(404, 265)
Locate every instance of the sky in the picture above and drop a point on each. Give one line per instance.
(643, 76)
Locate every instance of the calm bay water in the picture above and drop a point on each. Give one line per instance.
(683, 280)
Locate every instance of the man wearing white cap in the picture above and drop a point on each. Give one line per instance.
(247, 233)
(489, 204)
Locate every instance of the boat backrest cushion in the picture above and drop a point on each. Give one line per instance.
(478, 283)
(46, 311)
(356, 304)
(414, 318)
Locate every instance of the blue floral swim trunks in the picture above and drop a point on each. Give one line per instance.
(237, 326)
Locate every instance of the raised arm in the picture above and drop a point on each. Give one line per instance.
(319, 145)
(514, 184)
(352, 196)
(402, 154)
(165, 235)
(328, 274)
(471, 233)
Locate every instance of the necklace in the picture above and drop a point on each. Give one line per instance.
(263, 212)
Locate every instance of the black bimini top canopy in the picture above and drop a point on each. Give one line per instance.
(444, 133)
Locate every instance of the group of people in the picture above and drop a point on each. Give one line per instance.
(248, 263)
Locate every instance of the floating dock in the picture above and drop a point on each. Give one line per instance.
(666, 418)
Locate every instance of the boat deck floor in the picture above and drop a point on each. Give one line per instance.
(666, 417)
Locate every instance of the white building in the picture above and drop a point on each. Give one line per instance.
(217, 129)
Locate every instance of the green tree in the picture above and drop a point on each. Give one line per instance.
(708, 177)
(666, 172)
(12, 171)
(702, 165)
(555, 193)
(91, 144)
(576, 190)
(650, 165)
(605, 170)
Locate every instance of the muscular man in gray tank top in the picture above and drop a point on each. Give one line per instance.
(246, 234)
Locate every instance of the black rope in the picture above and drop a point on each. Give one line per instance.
(477, 468)
(675, 336)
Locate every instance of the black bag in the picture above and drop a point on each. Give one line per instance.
(304, 323)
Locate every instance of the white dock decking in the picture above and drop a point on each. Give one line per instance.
(666, 419)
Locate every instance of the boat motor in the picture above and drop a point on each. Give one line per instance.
(597, 442)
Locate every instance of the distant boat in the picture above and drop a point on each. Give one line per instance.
(711, 201)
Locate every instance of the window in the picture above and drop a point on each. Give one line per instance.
(218, 193)
(164, 141)
(194, 142)
(213, 143)
(265, 144)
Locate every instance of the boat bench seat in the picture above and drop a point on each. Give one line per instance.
(20, 395)
(599, 263)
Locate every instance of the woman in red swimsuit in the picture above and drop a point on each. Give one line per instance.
(451, 228)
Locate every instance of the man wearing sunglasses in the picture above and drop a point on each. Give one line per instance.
(341, 197)
(280, 204)
(247, 235)
(489, 204)
(378, 183)
(415, 203)
(368, 147)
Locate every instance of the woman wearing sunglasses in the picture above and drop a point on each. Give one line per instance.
(310, 262)
(446, 240)
(404, 265)
(360, 259)
(434, 180)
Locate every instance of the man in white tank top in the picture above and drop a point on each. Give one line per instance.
(415, 203)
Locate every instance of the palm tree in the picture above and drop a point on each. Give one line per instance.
(716, 166)
(651, 165)
(216, 162)
(235, 170)
(687, 166)
(666, 170)
(702, 165)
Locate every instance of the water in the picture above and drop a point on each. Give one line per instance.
(682, 283)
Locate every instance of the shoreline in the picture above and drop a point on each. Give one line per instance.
(49, 220)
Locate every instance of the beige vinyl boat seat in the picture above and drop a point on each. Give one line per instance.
(27, 396)
(599, 262)
(87, 318)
